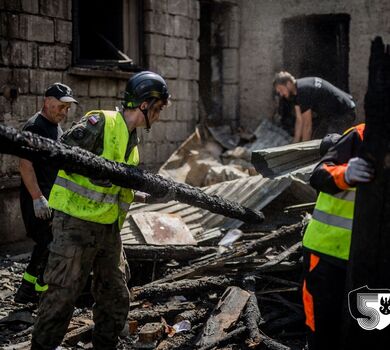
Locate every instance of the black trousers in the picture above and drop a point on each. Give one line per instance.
(40, 231)
(323, 125)
(323, 294)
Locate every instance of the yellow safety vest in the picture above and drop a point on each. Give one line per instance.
(329, 230)
(77, 196)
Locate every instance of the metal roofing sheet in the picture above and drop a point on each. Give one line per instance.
(254, 192)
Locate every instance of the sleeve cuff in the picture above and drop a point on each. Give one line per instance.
(337, 172)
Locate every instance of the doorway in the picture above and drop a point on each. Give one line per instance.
(318, 45)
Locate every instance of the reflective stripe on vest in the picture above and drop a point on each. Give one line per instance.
(329, 230)
(77, 196)
(86, 192)
(333, 220)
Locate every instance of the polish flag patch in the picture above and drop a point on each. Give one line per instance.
(93, 119)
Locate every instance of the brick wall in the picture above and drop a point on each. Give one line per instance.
(36, 51)
(172, 50)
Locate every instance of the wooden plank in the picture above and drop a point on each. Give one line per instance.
(224, 316)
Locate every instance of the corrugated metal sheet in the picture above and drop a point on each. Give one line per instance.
(254, 192)
(290, 159)
(269, 135)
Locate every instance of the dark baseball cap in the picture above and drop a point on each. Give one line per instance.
(61, 92)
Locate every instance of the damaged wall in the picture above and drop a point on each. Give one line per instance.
(261, 47)
(36, 50)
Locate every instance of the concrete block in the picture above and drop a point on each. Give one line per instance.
(164, 151)
(31, 6)
(148, 152)
(153, 5)
(41, 79)
(3, 24)
(176, 47)
(78, 84)
(230, 66)
(157, 132)
(36, 28)
(194, 113)
(194, 9)
(21, 79)
(176, 132)
(11, 219)
(5, 76)
(194, 86)
(23, 54)
(24, 107)
(63, 31)
(4, 52)
(179, 89)
(12, 5)
(156, 22)
(195, 30)
(182, 26)
(10, 25)
(168, 67)
(154, 44)
(108, 104)
(231, 39)
(192, 48)
(230, 105)
(9, 165)
(56, 8)
(85, 105)
(5, 108)
(178, 7)
(184, 110)
(102, 87)
(54, 57)
(168, 114)
(188, 69)
(120, 88)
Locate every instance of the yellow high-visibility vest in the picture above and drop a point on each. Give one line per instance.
(77, 196)
(329, 230)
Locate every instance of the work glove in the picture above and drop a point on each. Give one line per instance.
(358, 170)
(41, 208)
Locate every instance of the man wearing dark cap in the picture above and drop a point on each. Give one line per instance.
(37, 181)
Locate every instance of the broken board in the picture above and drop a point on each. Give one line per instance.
(163, 229)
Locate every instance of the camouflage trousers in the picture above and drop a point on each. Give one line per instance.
(79, 247)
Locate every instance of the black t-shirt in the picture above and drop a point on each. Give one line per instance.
(45, 173)
(322, 97)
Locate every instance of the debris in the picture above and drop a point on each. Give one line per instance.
(297, 159)
(162, 229)
(224, 316)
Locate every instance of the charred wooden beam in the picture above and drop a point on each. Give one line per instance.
(217, 261)
(180, 341)
(252, 315)
(168, 252)
(184, 287)
(369, 261)
(77, 160)
(224, 317)
(154, 314)
(279, 258)
(194, 316)
(236, 333)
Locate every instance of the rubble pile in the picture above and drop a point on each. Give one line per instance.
(201, 280)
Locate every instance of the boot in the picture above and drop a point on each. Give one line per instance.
(26, 293)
